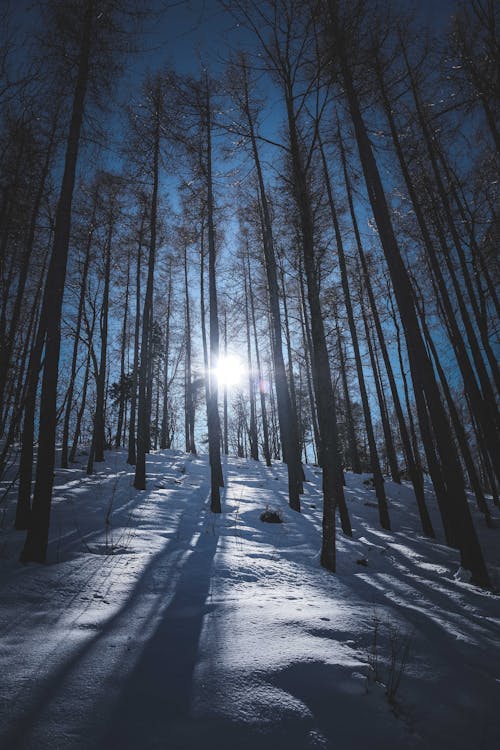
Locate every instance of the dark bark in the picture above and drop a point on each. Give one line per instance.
(76, 344)
(7, 341)
(389, 442)
(225, 442)
(262, 390)
(378, 479)
(286, 418)
(142, 405)
(352, 443)
(165, 441)
(217, 480)
(188, 377)
(132, 447)
(122, 404)
(35, 546)
(252, 432)
(480, 408)
(96, 452)
(333, 481)
(455, 510)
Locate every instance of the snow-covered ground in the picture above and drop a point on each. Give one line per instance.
(156, 624)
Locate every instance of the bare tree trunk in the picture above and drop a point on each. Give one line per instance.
(225, 429)
(286, 417)
(35, 547)
(354, 463)
(19, 404)
(262, 391)
(333, 489)
(74, 360)
(188, 377)
(443, 196)
(165, 429)
(389, 443)
(306, 338)
(142, 406)
(482, 411)
(7, 340)
(96, 452)
(455, 509)
(252, 433)
(123, 395)
(132, 452)
(378, 479)
(217, 480)
(79, 416)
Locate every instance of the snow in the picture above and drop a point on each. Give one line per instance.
(157, 624)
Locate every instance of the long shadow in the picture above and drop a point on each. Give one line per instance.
(49, 688)
(474, 680)
(155, 703)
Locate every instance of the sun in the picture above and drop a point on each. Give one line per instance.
(229, 370)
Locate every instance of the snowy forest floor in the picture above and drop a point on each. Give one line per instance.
(158, 625)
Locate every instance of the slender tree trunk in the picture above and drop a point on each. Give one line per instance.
(333, 489)
(286, 417)
(252, 433)
(457, 425)
(311, 387)
(74, 360)
(19, 403)
(83, 403)
(455, 510)
(225, 430)
(7, 341)
(149, 381)
(188, 391)
(389, 443)
(291, 377)
(123, 394)
(262, 389)
(96, 452)
(132, 452)
(165, 428)
(378, 479)
(481, 409)
(354, 460)
(142, 406)
(443, 196)
(217, 480)
(35, 547)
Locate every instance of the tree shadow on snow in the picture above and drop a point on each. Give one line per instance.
(157, 695)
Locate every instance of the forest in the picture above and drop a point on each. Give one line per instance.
(279, 254)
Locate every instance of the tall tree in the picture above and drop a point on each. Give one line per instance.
(454, 507)
(37, 537)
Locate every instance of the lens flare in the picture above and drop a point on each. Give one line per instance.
(229, 370)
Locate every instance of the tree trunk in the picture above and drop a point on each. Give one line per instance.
(35, 547)
(286, 418)
(123, 395)
(132, 447)
(165, 427)
(217, 480)
(96, 452)
(456, 509)
(142, 406)
(252, 433)
(262, 390)
(378, 479)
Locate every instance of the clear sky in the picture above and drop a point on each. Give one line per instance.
(191, 30)
(194, 28)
